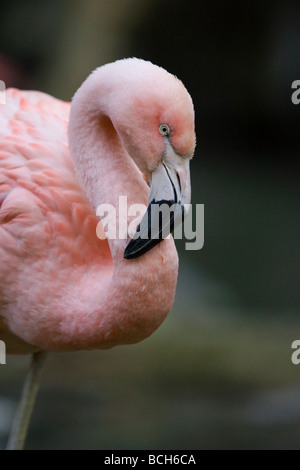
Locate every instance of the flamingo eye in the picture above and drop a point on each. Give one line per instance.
(164, 129)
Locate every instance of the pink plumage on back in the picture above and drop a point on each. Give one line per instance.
(44, 216)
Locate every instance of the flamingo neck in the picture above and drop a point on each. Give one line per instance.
(104, 168)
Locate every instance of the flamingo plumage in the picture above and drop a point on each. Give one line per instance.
(61, 287)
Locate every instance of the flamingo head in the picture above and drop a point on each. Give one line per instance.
(155, 122)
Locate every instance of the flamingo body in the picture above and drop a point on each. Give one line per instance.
(61, 287)
(46, 224)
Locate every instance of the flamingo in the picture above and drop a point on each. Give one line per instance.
(130, 126)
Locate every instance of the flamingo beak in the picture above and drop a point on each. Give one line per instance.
(169, 191)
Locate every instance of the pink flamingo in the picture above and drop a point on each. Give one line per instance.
(61, 287)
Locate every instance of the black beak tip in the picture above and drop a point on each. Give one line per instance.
(132, 249)
(138, 247)
(129, 254)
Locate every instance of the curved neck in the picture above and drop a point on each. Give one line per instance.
(104, 168)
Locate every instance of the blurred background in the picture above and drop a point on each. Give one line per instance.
(218, 373)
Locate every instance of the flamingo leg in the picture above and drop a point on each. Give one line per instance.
(31, 385)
